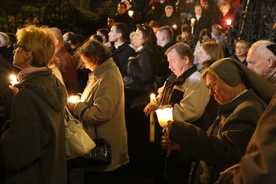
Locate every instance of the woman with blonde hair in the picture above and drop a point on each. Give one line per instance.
(209, 52)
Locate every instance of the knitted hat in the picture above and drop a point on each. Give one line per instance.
(233, 72)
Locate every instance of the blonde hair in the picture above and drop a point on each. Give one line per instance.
(214, 50)
(40, 41)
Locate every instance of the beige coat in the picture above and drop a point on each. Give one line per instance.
(102, 104)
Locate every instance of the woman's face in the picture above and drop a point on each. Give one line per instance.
(202, 56)
(89, 63)
(138, 39)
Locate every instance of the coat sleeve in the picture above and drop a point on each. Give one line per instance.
(228, 145)
(102, 104)
(195, 99)
(259, 164)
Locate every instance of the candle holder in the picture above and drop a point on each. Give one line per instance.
(164, 115)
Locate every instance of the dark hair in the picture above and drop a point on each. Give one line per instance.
(148, 34)
(185, 28)
(122, 28)
(95, 50)
(124, 4)
(96, 37)
(204, 32)
(104, 32)
(70, 36)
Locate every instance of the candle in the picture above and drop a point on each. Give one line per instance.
(174, 26)
(164, 115)
(193, 24)
(130, 13)
(152, 122)
(13, 79)
(228, 22)
(74, 99)
(152, 97)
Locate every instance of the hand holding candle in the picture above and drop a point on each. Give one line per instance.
(74, 99)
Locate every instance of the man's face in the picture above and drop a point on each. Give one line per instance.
(176, 64)
(185, 35)
(112, 35)
(257, 63)
(160, 38)
(121, 9)
(241, 49)
(223, 93)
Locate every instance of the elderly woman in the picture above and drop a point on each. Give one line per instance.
(242, 96)
(101, 106)
(33, 143)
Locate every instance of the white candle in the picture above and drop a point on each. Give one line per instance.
(228, 22)
(152, 122)
(13, 79)
(74, 99)
(164, 115)
(152, 97)
(193, 24)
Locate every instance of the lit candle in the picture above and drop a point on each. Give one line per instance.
(174, 26)
(152, 122)
(193, 24)
(164, 115)
(152, 97)
(74, 99)
(130, 13)
(228, 22)
(13, 79)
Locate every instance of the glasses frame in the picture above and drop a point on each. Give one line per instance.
(15, 46)
(211, 85)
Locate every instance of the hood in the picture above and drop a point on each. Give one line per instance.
(45, 85)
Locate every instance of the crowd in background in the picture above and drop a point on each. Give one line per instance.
(174, 49)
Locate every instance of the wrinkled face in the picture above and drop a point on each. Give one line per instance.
(241, 49)
(223, 93)
(176, 64)
(112, 35)
(257, 63)
(19, 56)
(202, 56)
(138, 39)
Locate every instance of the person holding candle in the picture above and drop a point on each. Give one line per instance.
(187, 94)
(240, 93)
(33, 143)
(101, 106)
(199, 21)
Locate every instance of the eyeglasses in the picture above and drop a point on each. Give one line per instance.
(211, 85)
(15, 46)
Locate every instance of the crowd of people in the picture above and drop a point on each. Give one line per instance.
(223, 105)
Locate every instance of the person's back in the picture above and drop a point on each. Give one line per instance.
(37, 114)
(67, 64)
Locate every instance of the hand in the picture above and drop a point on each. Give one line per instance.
(150, 107)
(165, 142)
(13, 89)
(230, 169)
